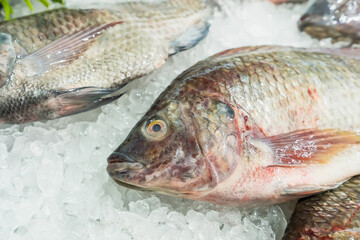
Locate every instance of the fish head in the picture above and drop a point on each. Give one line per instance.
(336, 19)
(178, 148)
(314, 16)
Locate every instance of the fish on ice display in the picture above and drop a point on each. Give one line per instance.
(339, 20)
(248, 127)
(107, 205)
(64, 61)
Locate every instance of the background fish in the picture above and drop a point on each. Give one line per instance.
(287, 1)
(249, 126)
(64, 61)
(339, 20)
(331, 215)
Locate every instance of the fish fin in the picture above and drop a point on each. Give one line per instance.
(7, 57)
(309, 146)
(78, 100)
(62, 51)
(306, 190)
(189, 38)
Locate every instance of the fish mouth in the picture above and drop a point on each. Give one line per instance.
(122, 168)
(307, 21)
(121, 164)
(119, 167)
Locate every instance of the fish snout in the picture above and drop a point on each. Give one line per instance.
(121, 163)
(119, 157)
(305, 21)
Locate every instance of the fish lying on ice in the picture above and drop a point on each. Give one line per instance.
(249, 126)
(63, 61)
(330, 215)
(287, 1)
(339, 20)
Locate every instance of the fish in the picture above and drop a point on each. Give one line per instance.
(288, 1)
(250, 126)
(66, 61)
(338, 20)
(330, 215)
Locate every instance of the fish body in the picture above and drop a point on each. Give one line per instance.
(249, 126)
(65, 61)
(339, 20)
(330, 215)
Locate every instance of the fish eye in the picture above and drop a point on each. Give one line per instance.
(156, 128)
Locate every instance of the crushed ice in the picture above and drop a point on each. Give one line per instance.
(53, 180)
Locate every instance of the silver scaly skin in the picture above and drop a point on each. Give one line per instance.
(339, 20)
(68, 61)
(330, 215)
(249, 126)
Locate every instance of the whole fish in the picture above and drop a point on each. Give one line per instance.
(249, 126)
(336, 19)
(331, 215)
(65, 61)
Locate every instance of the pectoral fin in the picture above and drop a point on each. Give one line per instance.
(7, 57)
(310, 146)
(62, 51)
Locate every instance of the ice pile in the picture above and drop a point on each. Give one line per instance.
(53, 180)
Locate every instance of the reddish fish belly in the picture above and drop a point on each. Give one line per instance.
(260, 187)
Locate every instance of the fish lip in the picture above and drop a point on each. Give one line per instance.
(308, 20)
(131, 186)
(305, 21)
(114, 168)
(117, 157)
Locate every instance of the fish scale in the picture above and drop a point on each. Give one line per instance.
(331, 215)
(69, 61)
(32, 33)
(35, 31)
(321, 78)
(289, 128)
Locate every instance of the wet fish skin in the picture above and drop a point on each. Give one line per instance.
(249, 126)
(56, 73)
(287, 1)
(339, 20)
(330, 215)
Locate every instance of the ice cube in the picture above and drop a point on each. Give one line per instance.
(24, 212)
(50, 176)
